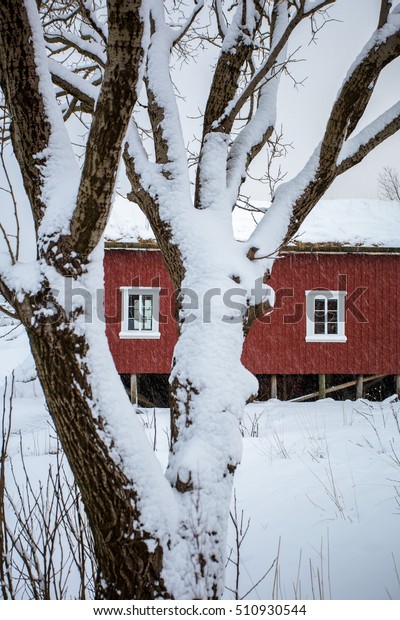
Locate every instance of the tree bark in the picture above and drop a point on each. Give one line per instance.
(126, 567)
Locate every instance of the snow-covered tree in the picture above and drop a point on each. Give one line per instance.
(108, 64)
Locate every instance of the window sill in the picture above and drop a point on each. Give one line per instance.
(326, 338)
(139, 335)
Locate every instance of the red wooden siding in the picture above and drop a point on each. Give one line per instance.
(138, 268)
(372, 347)
(276, 344)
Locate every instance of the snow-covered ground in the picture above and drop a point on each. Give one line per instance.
(319, 486)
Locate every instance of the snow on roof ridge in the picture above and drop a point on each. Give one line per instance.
(348, 222)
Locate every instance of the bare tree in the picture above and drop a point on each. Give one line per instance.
(159, 535)
(389, 184)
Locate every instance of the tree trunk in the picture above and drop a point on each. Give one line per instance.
(210, 388)
(126, 567)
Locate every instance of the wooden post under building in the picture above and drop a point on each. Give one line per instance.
(321, 386)
(274, 386)
(134, 389)
(360, 386)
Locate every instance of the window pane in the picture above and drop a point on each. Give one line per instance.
(134, 313)
(319, 317)
(147, 305)
(319, 328)
(332, 328)
(319, 304)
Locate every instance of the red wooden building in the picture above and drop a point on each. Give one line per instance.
(336, 320)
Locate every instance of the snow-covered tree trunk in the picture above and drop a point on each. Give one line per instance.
(210, 388)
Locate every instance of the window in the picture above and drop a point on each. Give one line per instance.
(140, 312)
(325, 316)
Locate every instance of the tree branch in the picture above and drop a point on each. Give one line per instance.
(162, 109)
(9, 296)
(11, 193)
(74, 85)
(235, 53)
(30, 129)
(171, 167)
(221, 21)
(98, 27)
(4, 310)
(386, 5)
(355, 149)
(199, 5)
(85, 48)
(363, 101)
(382, 48)
(113, 111)
(258, 130)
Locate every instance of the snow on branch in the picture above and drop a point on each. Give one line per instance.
(149, 187)
(74, 85)
(99, 27)
(272, 231)
(354, 95)
(262, 88)
(163, 112)
(355, 149)
(146, 177)
(221, 20)
(89, 49)
(253, 136)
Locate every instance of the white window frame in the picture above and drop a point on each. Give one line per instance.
(311, 296)
(125, 332)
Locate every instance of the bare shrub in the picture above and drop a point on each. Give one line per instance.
(46, 548)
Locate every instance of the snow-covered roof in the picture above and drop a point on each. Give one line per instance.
(360, 222)
(355, 222)
(127, 223)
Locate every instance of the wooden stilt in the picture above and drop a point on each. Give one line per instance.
(284, 387)
(360, 386)
(321, 386)
(274, 386)
(134, 389)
